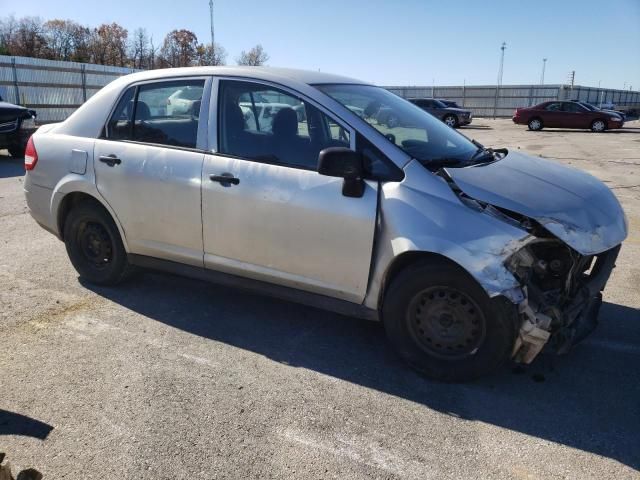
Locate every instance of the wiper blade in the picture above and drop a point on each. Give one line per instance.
(442, 162)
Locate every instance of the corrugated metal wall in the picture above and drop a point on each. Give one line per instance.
(55, 89)
(488, 101)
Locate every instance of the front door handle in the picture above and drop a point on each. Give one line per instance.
(110, 160)
(226, 179)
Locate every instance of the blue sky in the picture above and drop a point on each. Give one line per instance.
(401, 42)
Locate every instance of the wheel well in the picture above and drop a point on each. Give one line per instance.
(411, 258)
(69, 202)
(535, 117)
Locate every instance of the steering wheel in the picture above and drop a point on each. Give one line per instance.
(391, 137)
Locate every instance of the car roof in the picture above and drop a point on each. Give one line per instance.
(280, 75)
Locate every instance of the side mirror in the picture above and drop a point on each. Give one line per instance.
(344, 163)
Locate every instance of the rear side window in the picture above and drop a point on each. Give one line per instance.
(164, 113)
(554, 107)
(119, 126)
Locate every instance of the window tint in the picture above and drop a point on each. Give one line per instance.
(119, 126)
(554, 107)
(573, 107)
(162, 116)
(268, 125)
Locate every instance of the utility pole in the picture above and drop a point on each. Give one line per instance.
(499, 84)
(212, 35)
(544, 64)
(572, 78)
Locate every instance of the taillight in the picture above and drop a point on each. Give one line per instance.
(30, 155)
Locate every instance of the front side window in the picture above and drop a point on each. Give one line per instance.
(164, 113)
(419, 134)
(265, 124)
(573, 107)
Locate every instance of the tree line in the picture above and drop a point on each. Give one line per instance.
(111, 44)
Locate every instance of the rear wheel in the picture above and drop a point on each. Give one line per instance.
(451, 120)
(444, 325)
(598, 126)
(94, 245)
(535, 124)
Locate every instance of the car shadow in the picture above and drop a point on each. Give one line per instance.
(578, 130)
(475, 127)
(16, 424)
(11, 167)
(587, 400)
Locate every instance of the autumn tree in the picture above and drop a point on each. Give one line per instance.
(62, 37)
(179, 48)
(254, 57)
(108, 45)
(205, 55)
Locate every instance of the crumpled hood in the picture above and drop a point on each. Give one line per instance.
(573, 205)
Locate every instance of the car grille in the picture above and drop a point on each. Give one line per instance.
(8, 127)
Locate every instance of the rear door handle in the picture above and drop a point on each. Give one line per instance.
(110, 160)
(226, 179)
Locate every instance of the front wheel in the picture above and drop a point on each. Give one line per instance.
(598, 126)
(94, 245)
(444, 325)
(451, 120)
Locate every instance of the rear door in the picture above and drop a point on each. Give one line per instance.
(276, 219)
(552, 116)
(148, 166)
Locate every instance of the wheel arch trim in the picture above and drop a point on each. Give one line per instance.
(74, 184)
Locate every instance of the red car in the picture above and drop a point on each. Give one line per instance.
(566, 115)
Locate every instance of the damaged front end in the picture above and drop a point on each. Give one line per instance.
(563, 294)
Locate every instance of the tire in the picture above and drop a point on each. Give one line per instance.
(443, 324)
(535, 124)
(598, 125)
(94, 245)
(451, 120)
(17, 151)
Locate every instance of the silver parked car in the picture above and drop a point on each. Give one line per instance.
(469, 256)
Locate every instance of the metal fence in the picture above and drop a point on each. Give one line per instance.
(493, 101)
(55, 89)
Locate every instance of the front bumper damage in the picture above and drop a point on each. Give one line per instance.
(558, 312)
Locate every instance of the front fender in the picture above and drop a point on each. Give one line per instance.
(423, 214)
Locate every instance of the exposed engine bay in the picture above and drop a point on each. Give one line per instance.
(561, 288)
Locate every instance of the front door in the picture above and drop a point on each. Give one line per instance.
(148, 170)
(267, 213)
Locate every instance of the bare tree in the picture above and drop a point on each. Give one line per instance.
(139, 55)
(205, 55)
(254, 57)
(27, 39)
(60, 37)
(8, 28)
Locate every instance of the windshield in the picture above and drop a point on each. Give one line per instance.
(418, 133)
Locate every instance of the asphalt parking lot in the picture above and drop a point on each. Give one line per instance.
(170, 378)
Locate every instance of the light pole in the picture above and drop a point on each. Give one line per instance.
(212, 36)
(495, 103)
(544, 64)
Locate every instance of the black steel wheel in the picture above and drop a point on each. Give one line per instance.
(94, 245)
(446, 322)
(442, 322)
